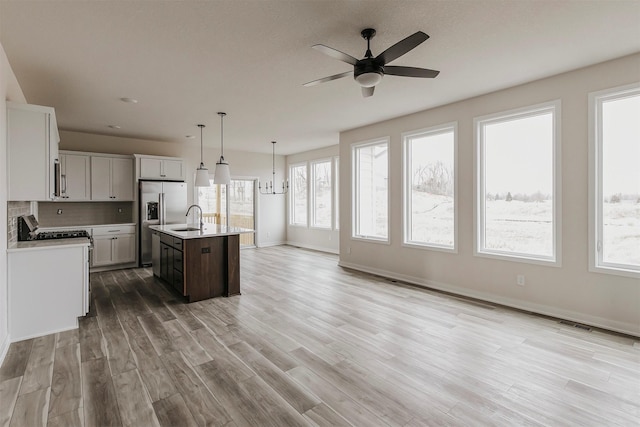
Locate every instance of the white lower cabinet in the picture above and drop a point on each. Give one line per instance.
(113, 245)
(48, 289)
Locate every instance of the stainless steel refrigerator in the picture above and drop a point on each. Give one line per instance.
(161, 202)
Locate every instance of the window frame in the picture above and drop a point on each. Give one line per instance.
(354, 193)
(555, 108)
(311, 207)
(336, 192)
(292, 198)
(406, 187)
(596, 99)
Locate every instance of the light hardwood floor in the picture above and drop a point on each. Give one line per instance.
(310, 343)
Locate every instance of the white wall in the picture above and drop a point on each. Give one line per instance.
(9, 91)
(271, 212)
(569, 291)
(309, 237)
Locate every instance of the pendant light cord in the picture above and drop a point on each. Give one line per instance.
(201, 156)
(222, 135)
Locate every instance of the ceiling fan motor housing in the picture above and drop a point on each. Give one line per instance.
(367, 72)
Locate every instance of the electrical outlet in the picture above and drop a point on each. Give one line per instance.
(268, 234)
(59, 212)
(520, 279)
(119, 210)
(348, 249)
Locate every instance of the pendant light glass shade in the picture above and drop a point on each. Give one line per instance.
(223, 174)
(202, 173)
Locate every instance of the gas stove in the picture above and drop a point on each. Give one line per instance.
(67, 234)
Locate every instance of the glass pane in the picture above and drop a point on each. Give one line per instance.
(621, 181)
(299, 195)
(431, 199)
(322, 194)
(518, 183)
(209, 201)
(371, 191)
(241, 206)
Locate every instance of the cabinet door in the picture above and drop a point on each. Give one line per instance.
(150, 168)
(75, 177)
(100, 178)
(166, 262)
(102, 251)
(28, 155)
(124, 247)
(172, 169)
(121, 179)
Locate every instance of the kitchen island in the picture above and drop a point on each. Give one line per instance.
(198, 263)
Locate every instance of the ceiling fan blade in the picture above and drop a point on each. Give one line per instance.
(410, 72)
(341, 56)
(367, 91)
(402, 47)
(328, 79)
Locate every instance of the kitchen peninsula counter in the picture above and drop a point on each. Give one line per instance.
(200, 264)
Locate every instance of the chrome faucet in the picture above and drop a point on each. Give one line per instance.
(200, 209)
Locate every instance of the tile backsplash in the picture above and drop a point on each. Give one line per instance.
(14, 210)
(58, 214)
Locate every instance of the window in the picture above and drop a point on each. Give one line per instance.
(321, 202)
(429, 187)
(232, 204)
(615, 181)
(336, 198)
(370, 190)
(518, 181)
(298, 198)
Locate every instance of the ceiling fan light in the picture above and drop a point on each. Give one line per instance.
(369, 79)
(202, 176)
(222, 175)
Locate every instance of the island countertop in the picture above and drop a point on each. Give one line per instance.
(184, 231)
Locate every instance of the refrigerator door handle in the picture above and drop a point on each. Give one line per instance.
(162, 209)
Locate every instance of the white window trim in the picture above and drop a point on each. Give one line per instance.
(406, 189)
(354, 208)
(596, 265)
(291, 193)
(312, 195)
(478, 203)
(335, 164)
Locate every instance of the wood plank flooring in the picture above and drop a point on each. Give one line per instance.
(309, 343)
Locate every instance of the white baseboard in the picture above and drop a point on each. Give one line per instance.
(574, 316)
(269, 244)
(4, 347)
(314, 247)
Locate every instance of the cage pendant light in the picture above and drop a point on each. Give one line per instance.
(222, 175)
(202, 173)
(268, 186)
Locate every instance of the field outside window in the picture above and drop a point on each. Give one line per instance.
(517, 184)
(429, 187)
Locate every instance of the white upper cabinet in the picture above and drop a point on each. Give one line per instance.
(111, 178)
(161, 168)
(32, 153)
(75, 183)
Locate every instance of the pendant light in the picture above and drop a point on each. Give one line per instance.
(202, 173)
(268, 187)
(222, 175)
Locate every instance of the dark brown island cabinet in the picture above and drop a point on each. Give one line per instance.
(201, 268)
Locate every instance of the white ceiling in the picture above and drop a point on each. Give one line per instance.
(186, 60)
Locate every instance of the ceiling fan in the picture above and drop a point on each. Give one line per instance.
(368, 72)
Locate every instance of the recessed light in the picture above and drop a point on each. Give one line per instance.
(189, 136)
(129, 100)
(114, 126)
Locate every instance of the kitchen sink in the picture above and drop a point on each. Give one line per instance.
(186, 229)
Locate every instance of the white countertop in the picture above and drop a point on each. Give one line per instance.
(83, 227)
(33, 245)
(209, 230)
